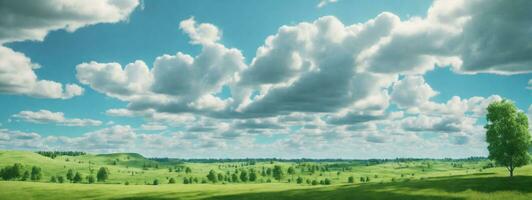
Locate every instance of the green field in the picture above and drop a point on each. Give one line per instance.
(395, 179)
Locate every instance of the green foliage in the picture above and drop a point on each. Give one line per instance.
(291, 170)
(234, 178)
(252, 176)
(91, 179)
(36, 173)
(156, 182)
(60, 179)
(244, 176)
(351, 179)
(103, 174)
(299, 180)
(277, 172)
(212, 176)
(70, 175)
(11, 172)
(25, 176)
(507, 135)
(77, 178)
(171, 181)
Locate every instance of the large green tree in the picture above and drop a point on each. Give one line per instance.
(507, 135)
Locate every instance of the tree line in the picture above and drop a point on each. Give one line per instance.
(53, 154)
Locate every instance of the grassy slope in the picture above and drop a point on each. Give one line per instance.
(445, 182)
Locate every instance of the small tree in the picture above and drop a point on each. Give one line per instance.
(244, 176)
(299, 180)
(351, 179)
(252, 176)
(220, 177)
(25, 176)
(234, 178)
(277, 172)
(53, 179)
(70, 175)
(103, 174)
(77, 178)
(60, 179)
(91, 179)
(212, 176)
(36, 173)
(507, 135)
(188, 170)
(156, 182)
(291, 170)
(171, 181)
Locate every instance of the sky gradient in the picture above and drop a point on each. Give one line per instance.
(286, 79)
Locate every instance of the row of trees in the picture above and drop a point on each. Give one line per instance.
(247, 175)
(15, 172)
(53, 154)
(101, 176)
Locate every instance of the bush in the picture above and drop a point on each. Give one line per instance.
(156, 182)
(171, 181)
(60, 179)
(351, 179)
(53, 179)
(77, 178)
(299, 180)
(91, 179)
(11, 172)
(314, 182)
(327, 181)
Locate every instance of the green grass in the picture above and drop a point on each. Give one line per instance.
(439, 181)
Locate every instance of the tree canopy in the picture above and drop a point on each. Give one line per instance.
(507, 135)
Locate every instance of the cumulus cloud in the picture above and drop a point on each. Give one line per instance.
(462, 34)
(46, 116)
(17, 76)
(176, 83)
(27, 20)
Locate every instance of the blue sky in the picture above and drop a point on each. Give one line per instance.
(411, 62)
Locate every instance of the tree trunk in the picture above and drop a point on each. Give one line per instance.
(511, 172)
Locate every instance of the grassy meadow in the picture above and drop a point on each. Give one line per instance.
(392, 179)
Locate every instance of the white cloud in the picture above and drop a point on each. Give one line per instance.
(323, 3)
(27, 20)
(176, 83)
(46, 116)
(412, 91)
(153, 127)
(454, 33)
(17, 77)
